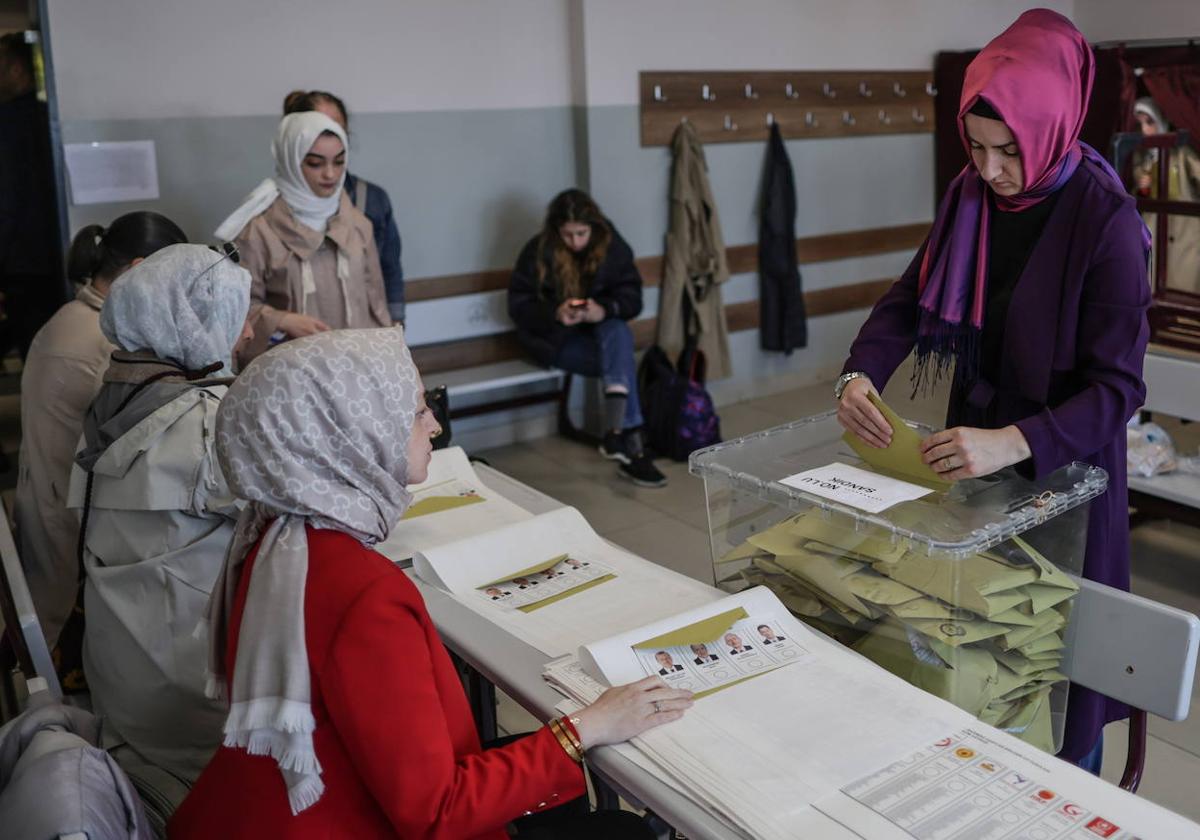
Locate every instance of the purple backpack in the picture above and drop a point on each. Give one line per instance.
(679, 413)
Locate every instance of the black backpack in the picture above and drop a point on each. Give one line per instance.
(678, 411)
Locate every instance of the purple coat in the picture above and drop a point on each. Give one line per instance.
(1071, 372)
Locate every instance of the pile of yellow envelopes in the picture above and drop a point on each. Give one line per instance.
(983, 631)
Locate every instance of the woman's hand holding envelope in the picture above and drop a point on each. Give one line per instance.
(963, 452)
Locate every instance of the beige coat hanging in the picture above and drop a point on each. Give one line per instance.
(694, 263)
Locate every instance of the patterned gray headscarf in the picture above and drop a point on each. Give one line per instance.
(184, 303)
(314, 432)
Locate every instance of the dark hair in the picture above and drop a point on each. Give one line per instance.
(983, 108)
(16, 52)
(101, 254)
(299, 101)
(572, 272)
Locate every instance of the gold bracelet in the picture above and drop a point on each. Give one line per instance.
(567, 725)
(565, 742)
(564, 729)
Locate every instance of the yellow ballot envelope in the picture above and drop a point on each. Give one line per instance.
(966, 677)
(812, 527)
(974, 583)
(902, 457)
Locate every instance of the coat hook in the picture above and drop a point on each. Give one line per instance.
(828, 91)
(810, 119)
(930, 89)
(848, 118)
(885, 117)
(706, 93)
(918, 117)
(899, 90)
(730, 125)
(750, 92)
(770, 118)
(659, 96)
(789, 90)
(864, 90)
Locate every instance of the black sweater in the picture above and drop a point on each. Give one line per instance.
(617, 286)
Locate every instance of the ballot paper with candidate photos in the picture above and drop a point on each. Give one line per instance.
(703, 650)
(545, 583)
(452, 503)
(745, 648)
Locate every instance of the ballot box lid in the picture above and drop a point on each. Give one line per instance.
(968, 517)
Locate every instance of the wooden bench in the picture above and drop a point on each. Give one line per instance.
(471, 367)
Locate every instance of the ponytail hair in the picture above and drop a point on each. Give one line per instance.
(99, 254)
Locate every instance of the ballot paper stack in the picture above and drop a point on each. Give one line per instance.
(984, 631)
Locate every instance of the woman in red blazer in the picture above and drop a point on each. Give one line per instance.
(347, 718)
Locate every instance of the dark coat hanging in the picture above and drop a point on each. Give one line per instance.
(783, 322)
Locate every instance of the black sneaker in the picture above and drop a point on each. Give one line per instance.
(642, 472)
(613, 447)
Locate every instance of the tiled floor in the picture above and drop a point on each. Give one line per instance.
(669, 526)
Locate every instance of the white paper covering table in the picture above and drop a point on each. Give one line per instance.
(517, 669)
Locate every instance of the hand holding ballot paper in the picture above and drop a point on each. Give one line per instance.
(901, 458)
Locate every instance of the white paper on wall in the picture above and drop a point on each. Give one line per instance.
(112, 171)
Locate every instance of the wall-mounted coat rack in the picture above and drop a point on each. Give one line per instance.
(732, 106)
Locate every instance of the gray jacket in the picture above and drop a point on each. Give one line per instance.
(161, 518)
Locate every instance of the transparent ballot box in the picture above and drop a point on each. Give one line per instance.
(965, 591)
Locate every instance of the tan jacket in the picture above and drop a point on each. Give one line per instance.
(62, 375)
(1183, 232)
(274, 247)
(694, 263)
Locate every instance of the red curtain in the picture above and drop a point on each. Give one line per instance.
(1176, 89)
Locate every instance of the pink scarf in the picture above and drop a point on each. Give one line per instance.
(1037, 75)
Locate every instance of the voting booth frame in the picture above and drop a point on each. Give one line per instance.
(965, 590)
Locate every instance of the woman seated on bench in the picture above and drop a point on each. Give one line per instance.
(573, 291)
(310, 251)
(347, 717)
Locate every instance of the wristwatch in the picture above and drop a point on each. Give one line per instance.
(844, 380)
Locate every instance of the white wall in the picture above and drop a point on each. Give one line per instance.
(625, 36)
(123, 59)
(1112, 20)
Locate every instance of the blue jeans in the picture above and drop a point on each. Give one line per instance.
(1091, 762)
(605, 350)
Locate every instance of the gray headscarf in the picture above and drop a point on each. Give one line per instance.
(313, 433)
(183, 303)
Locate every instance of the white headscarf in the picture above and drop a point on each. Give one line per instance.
(294, 139)
(183, 303)
(313, 433)
(1146, 105)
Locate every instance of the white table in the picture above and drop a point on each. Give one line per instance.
(516, 669)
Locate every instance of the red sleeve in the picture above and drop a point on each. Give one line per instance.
(382, 697)
(1111, 346)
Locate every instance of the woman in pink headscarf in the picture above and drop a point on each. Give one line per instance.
(1032, 288)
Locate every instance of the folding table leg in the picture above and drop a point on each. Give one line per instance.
(483, 704)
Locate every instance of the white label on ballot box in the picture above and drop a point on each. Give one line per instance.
(864, 490)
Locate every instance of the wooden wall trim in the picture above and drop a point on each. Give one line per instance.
(489, 349)
(743, 259)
